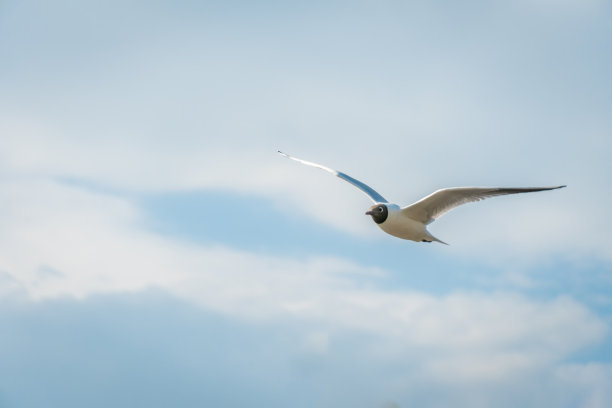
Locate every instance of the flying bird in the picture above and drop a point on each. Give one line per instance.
(411, 222)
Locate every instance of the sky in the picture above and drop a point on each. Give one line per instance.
(155, 250)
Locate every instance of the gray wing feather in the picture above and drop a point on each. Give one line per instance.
(440, 202)
(370, 192)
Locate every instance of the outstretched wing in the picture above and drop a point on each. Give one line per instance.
(440, 202)
(374, 196)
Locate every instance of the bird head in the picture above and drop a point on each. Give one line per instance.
(378, 212)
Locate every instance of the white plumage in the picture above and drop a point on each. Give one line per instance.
(411, 222)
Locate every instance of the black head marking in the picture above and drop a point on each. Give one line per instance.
(379, 213)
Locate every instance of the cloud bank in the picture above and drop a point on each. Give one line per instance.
(64, 242)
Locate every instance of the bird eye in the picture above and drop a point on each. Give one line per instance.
(380, 209)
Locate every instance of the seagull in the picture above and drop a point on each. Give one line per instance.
(411, 222)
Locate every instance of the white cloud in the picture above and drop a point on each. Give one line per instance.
(588, 383)
(57, 240)
(407, 108)
(531, 228)
(169, 119)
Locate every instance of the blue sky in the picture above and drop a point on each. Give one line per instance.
(156, 250)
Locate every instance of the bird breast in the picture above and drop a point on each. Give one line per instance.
(398, 225)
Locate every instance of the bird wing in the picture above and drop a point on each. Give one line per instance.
(370, 192)
(438, 203)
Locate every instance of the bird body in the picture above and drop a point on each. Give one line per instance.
(402, 226)
(411, 222)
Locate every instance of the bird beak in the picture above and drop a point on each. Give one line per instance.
(368, 213)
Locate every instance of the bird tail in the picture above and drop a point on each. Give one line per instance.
(431, 238)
